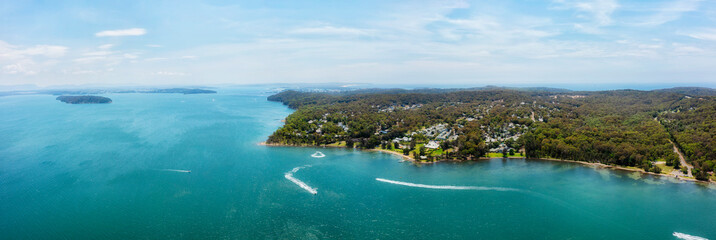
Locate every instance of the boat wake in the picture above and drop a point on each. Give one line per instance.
(687, 236)
(448, 187)
(318, 155)
(175, 170)
(289, 176)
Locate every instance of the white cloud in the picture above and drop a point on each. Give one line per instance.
(91, 59)
(156, 59)
(682, 49)
(46, 50)
(670, 12)
(330, 30)
(82, 72)
(449, 41)
(165, 73)
(9, 51)
(21, 60)
(492, 28)
(22, 67)
(598, 13)
(708, 34)
(601, 10)
(98, 53)
(122, 32)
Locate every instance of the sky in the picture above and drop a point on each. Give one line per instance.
(505, 42)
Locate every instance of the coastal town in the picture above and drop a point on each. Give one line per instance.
(458, 126)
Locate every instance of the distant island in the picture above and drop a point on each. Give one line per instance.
(84, 99)
(181, 90)
(669, 131)
(105, 91)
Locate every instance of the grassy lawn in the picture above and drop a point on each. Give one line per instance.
(664, 168)
(338, 144)
(494, 155)
(634, 168)
(435, 152)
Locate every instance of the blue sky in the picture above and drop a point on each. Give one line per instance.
(515, 43)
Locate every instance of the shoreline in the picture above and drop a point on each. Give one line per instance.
(408, 158)
(613, 167)
(405, 157)
(303, 145)
(591, 164)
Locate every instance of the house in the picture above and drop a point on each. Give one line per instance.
(432, 145)
(403, 139)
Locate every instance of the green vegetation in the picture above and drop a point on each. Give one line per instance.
(691, 123)
(625, 127)
(665, 168)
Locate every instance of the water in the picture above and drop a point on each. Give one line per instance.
(166, 166)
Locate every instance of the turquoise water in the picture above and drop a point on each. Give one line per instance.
(106, 172)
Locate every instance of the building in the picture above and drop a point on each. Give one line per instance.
(432, 145)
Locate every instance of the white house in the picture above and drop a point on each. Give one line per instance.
(432, 145)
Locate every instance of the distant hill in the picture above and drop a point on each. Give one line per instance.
(84, 99)
(181, 90)
(694, 91)
(430, 90)
(526, 89)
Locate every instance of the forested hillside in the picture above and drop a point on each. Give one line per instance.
(623, 127)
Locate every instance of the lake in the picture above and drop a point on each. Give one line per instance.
(168, 166)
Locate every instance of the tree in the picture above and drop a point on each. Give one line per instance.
(613, 127)
(445, 145)
(512, 152)
(700, 174)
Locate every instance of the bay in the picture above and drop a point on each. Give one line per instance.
(159, 166)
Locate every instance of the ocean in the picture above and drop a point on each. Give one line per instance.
(172, 166)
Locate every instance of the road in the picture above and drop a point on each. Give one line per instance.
(682, 159)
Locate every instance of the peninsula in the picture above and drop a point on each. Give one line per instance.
(84, 99)
(668, 131)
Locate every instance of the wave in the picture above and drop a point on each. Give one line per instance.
(289, 176)
(448, 187)
(175, 170)
(687, 236)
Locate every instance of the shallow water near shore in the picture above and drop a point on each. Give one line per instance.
(166, 166)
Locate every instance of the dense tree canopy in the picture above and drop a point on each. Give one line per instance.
(623, 127)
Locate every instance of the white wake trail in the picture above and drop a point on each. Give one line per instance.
(318, 155)
(175, 170)
(289, 176)
(687, 236)
(447, 187)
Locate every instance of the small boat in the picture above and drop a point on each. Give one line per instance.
(318, 155)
